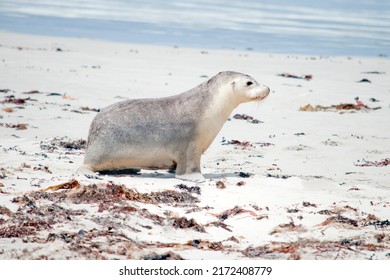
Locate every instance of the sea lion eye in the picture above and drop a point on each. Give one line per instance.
(249, 83)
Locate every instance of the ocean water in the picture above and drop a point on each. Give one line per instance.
(326, 27)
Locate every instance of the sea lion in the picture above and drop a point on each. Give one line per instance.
(170, 132)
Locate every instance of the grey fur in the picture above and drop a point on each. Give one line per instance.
(156, 133)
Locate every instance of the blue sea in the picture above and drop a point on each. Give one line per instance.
(326, 27)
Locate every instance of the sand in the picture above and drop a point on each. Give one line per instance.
(281, 184)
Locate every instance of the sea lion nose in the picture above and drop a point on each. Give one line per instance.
(266, 90)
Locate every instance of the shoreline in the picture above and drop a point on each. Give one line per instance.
(245, 52)
(303, 27)
(146, 39)
(294, 185)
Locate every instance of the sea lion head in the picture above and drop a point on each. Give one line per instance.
(243, 87)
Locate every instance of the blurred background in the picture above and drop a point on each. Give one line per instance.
(326, 27)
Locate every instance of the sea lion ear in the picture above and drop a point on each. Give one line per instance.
(233, 85)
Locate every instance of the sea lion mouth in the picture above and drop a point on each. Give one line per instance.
(261, 95)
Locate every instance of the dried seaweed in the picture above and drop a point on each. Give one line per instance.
(5, 211)
(30, 219)
(172, 197)
(273, 248)
(8, 110)
(15, 231)
(325, 212)
(90, 109)
(264, 144)
(246, 118)
(19, 126)
(291, 226)
(383, 162)
(340, 107)
(184, 223)
(74, 145)
(166, 256)
(156, 219)
(90, 244)
(42, 168)
(233, 212)
(104, 193)
(307, 77)
(277, 176)
(381, 237)
(123, 209)
(206, 245)
(64, 186)
(18, 101)
(32, 92)
(243, 144)
(341, 220)
(194, 189)
(292, 249)
(308, 204)
(246, 144)
(379, 224)
(111, 192)
(255, 252)
(349, 242)
(219, 224)
(220, 185)
(65, 143)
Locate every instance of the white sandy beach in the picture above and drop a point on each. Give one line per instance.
(295, 185)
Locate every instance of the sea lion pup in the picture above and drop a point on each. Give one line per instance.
(169, 132)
